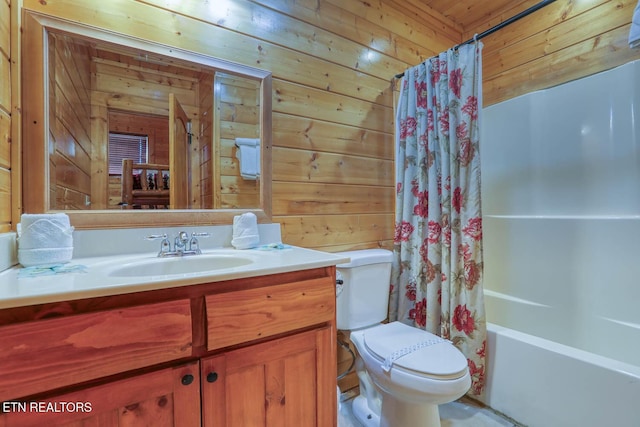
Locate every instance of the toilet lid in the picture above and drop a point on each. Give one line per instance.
(441, 360)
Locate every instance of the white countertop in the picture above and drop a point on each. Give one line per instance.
(96, 281)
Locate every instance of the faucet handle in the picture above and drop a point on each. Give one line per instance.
(201, 234)
(156, 237)
(193, 243)
(165, 245)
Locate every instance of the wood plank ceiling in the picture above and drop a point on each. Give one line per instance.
(476, 15)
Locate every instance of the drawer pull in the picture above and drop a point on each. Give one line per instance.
(212, 377)
(187, 379)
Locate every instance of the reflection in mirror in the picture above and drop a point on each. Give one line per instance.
(108, 104)
(128, 124)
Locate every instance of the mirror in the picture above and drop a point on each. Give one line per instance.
(129, 132)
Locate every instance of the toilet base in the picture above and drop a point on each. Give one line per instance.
(397, 413)
(377, 408)
(363, 413)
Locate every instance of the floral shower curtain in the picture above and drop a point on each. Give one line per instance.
(437, 270)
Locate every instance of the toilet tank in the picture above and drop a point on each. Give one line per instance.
(363, 298)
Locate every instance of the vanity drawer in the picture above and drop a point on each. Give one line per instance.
(46, 354)
(247, 315)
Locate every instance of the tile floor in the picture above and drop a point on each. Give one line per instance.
(461, 413)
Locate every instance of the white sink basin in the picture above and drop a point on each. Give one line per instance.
(193, 264)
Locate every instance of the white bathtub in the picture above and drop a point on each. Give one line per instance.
(541, 383)
(562, 301)
(560, 174)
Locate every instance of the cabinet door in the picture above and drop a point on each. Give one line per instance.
(169, 397)
(289, 381)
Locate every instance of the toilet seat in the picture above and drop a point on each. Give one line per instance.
(428, 358)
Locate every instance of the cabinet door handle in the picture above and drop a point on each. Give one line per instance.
(187, 379)
(212, 377)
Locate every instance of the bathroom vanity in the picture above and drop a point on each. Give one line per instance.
(241, 346)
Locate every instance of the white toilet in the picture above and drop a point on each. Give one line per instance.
(404, 372)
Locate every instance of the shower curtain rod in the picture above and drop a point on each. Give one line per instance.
(499, 26)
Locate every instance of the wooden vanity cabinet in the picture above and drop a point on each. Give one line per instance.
(286, 381)
(163, 398)
(56, 350)
(247, 352)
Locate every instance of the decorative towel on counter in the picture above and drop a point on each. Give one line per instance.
(245, 231)
(248, 155)
(634, 33)
(50, 270)
(273, 247)
(44, 239)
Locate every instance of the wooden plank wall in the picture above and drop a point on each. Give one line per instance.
(125, 84)
(5, 116)
(206, 134)
(239, 117)
(333, 183)
(70, 124)
(155, 127)
(332, 62)
(564, 41)
(157, 130)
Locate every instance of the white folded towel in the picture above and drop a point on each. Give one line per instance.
(45, 231)
(634, 33)
(61, 219)
(248, 154)
(44, 256)
(245, 231)
(44, 239)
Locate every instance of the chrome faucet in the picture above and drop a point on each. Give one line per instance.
(183, 245)
(180, 242)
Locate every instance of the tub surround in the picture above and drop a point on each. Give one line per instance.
(541, 383)
(577, 286)
(560, 169)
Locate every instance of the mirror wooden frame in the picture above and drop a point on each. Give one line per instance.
(35, 128)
